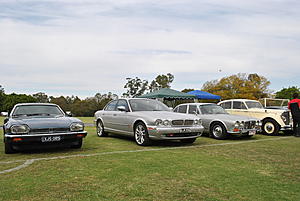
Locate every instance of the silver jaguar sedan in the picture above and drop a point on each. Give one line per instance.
(218, 123)
(146, 120)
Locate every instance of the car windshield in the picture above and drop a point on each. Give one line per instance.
(37, 110)
(212, 109)
(147, 105)
(253, 104)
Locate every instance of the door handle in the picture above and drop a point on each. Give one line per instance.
(114, 114)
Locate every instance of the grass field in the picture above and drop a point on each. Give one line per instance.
(261, 168)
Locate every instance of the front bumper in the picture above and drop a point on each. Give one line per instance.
(36, 140)
(174, 133)
(244, 132)
(286, 128)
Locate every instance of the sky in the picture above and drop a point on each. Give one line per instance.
(84, 47)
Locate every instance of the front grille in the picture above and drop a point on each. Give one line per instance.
(180, 122)
(249, 124)
(286, 118)
(177, 122)
(188, 122)
(49, 130)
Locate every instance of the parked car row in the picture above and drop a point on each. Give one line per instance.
(47, 125)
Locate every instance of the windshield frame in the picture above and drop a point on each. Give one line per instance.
(148, 102)
(36, 114)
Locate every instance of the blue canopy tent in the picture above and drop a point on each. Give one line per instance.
(204, 95)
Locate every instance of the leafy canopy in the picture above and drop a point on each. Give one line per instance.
(241, 85)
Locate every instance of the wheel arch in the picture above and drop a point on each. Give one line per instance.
(217, 121)
(272, 119)
(138, 121)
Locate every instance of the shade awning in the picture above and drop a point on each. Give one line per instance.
(204, 95)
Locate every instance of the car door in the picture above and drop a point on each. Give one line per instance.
(239, 108)
(122, 120)
(107, 114)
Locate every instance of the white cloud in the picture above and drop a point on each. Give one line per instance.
(84, 47)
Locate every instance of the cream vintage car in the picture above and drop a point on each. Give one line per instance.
(273, 120)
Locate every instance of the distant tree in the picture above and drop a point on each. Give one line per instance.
(62, 102)
(161, 81)
(187, 90)
(41, 97)
(252, 86)
(135, 87)
(2, 97)
(12, 99)
(287, 93)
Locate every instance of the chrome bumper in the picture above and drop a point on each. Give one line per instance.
(174, 133)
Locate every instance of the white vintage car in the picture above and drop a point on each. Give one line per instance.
(273, 120)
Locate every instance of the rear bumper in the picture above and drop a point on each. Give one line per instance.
(174, 133)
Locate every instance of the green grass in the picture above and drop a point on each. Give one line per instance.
(265, 170)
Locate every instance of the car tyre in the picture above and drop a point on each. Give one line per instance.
(218, 131)
(8, 148)
(188, 141)
(100, 129)
(141, 135)
(78, 145)
(270, 127)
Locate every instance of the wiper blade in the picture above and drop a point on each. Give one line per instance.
(17, 115)
(38, 114)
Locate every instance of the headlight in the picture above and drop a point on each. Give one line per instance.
(200, 121)
(19, 129)
(166, 122)
(242, 124)
(158, 122)
(77, 127)
(237, 124)
(258, 123)
(196, 122)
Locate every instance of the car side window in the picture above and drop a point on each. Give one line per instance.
(193, 109)
(111, 106)
(226, 105)
(182, 109)
(238, 105)
(123, 103)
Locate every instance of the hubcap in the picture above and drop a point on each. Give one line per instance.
(217, 131)
(140, 134)
(269, 128)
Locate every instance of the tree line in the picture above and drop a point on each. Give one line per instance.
(241, 85)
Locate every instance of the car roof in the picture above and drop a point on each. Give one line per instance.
(239, 100)
(197, 104)
(20, 104)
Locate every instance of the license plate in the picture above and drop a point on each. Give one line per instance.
(185, 130)
(51, 139)
(252, 132)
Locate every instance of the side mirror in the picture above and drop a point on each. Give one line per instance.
(69, 113)
(5, 114)
(121, 108)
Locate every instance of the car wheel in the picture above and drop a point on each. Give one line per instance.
(78, 145)
(100, 129)
(188, 141)
(141, 135)
(218, 131)
(270, 127)
(8, 148)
